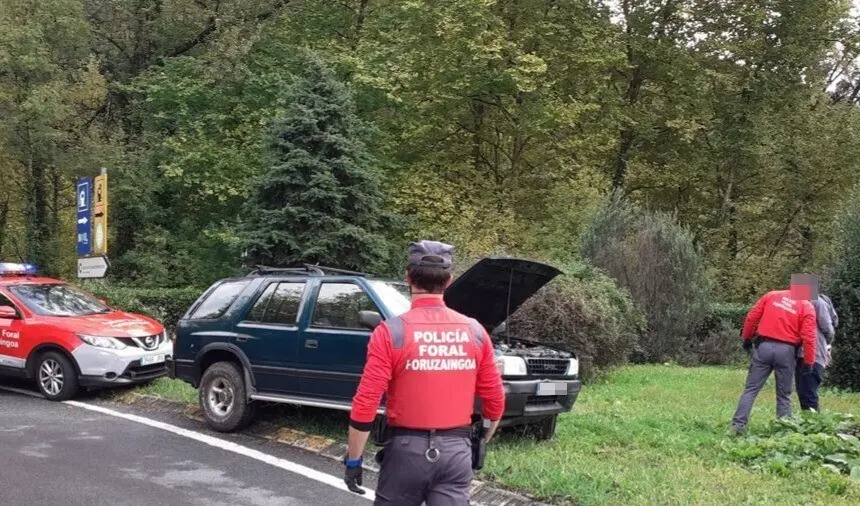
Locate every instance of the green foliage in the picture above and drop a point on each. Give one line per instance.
(716, 340)
(320, 201)
(496, 125)
(654, 258)
(843, 287)
(807, 441)
(165, 305)
(585, 311)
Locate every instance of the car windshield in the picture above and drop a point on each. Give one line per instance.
(58, 300)
(395, 296)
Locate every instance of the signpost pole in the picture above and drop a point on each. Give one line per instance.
(92, 200)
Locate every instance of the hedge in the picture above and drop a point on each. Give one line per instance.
(716, 340)
(166, 305)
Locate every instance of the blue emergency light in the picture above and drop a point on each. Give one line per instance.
(11, 269)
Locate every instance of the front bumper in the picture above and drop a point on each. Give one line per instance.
(105, 367)
(525, 401)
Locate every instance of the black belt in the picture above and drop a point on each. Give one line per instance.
(465, 431)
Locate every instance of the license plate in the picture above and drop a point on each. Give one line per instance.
(153, 359)
(551, 388)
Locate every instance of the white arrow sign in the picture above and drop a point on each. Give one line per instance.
(83, 221)
(93, 267)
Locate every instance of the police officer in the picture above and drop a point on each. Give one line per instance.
(784, 320)
(431, 362)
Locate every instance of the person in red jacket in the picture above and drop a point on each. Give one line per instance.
(784, 320)
(431, 362)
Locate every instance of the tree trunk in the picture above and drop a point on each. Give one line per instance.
(38, 229)
(4, 221)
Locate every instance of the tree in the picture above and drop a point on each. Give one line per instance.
(320, 200)
(653, 257)
(843, 286)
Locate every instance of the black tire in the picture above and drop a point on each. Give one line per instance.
(56, 376)
(544, 429)
(222, 398)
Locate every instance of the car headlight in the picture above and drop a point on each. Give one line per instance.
(103, 342)
(573, 368)
(511, 366)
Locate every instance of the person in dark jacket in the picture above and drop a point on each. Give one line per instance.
(807, 384)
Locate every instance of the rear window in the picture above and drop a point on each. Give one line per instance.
(219, 300)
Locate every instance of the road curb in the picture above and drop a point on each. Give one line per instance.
(481, 494)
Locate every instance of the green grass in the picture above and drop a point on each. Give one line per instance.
(657, 435)
(642, 435)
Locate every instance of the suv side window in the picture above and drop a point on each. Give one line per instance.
(279, 304)
(217, 303)
(338, 305)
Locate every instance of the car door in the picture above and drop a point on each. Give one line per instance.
(333, 345)
(14, 344)
(270, 334)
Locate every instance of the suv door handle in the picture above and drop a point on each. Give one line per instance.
(312, 343)
(242, 337)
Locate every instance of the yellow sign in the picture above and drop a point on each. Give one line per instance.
(100, 213)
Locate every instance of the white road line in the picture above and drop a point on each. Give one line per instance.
(229, 446)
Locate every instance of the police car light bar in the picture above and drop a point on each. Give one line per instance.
(10, 269)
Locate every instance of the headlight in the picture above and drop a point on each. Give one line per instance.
(573, 368)
(103, 342)
(511, 366)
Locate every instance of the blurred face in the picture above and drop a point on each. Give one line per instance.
(804, 287)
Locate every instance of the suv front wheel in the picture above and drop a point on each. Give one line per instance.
(223, 399)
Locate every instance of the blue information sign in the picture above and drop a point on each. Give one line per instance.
(84, 204)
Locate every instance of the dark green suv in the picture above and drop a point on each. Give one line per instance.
(299, 336)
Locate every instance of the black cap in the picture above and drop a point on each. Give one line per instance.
(431, 254)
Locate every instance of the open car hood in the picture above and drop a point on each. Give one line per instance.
(495, 288)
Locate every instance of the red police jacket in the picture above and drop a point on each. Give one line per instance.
(780, 317)
(431, 361)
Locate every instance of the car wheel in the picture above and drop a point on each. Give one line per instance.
(56, 377)
(222, 398)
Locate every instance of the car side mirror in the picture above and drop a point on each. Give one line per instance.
(8, 312)
(369, 319)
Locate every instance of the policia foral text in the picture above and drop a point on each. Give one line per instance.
(431, 362)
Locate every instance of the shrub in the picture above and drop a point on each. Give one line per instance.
(716, 340)
(166, 305)
(585, 311)
(843, 286)
(654, 257)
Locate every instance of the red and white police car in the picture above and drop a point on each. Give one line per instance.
(65, 339)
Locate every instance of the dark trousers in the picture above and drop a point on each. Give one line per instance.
(807, 385)
(408, 478)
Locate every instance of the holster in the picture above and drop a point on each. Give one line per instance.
(479, 447)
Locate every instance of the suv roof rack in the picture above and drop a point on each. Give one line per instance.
(314, 270)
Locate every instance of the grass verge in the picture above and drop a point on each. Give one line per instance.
(642, 435)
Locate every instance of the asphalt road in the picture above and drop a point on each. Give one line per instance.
(52, 453)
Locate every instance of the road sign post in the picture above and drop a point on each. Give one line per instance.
(84, 205)
(93, 267)
(100, 214)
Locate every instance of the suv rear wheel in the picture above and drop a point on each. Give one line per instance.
(222, 398)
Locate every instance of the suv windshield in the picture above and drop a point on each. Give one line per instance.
(394, 296)
(58, 300)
